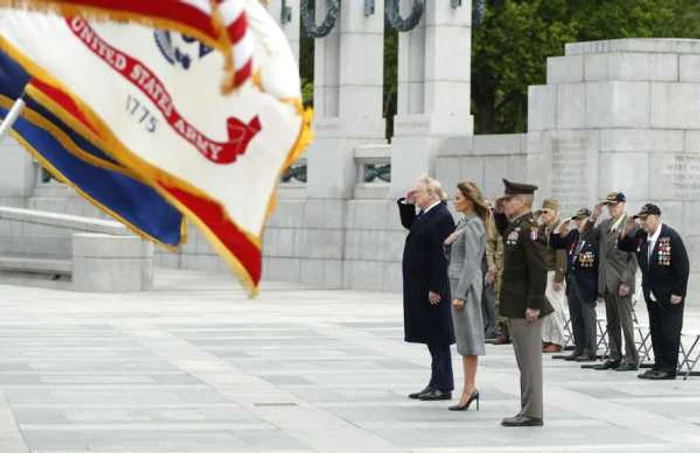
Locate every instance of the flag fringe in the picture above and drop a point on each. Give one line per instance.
(102, 208)
(158, 178)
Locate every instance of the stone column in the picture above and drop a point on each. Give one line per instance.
(348, 113)
(434, 89)
(621, 115)
(347, 97)
(290, 24)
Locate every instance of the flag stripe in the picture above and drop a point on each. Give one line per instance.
(65, 102)
(186, 16)
(236, 243)
(244, 73)
(237, 29)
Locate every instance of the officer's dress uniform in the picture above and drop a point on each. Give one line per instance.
(524, 282)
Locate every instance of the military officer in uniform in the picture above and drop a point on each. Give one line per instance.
(522, 298)
(663, 261)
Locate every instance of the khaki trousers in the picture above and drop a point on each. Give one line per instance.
(527, 343)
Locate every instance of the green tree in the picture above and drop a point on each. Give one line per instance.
(511, 45)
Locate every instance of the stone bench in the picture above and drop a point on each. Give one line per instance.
(103, 263)
(97, 255)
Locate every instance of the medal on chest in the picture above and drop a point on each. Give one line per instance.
(513, 236)
(586, 259)
(663, 251)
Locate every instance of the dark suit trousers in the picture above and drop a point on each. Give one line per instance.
(618, 311)
(583, 320)
(441, 376)
(665, 325)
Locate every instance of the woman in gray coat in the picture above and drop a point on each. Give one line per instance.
(464, 250)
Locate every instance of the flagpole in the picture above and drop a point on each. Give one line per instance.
(11, 118)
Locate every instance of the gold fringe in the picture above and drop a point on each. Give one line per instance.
(156, 176)
(107, 14)
(63, 179)
(40, 121)
(227, 84)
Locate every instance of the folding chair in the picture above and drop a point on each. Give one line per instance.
(645, 349)
(568, 334)
(687, 359)
(603, 336)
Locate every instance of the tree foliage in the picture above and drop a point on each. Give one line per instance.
(512, 43)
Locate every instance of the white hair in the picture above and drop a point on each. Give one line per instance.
(432, 187)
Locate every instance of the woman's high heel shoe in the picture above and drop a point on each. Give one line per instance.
(463, 407)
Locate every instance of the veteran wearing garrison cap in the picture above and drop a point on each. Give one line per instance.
(522, 298)
(553, 325)
(616, 278)
(663, 260)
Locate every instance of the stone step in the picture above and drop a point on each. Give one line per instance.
(35, 265)
(53, 190)
(43, 246)
(65, 205)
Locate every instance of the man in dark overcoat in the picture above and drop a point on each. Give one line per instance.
(426, 293)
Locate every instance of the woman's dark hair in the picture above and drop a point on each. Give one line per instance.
(472, 192)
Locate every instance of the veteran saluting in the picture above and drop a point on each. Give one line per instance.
(663, 260)
(523, 302)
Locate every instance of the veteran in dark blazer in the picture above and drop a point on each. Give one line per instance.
(581, 285)
(616, 281)
(523, 300)
(663, 260)
(426, 290)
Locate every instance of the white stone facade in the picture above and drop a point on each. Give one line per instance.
(614, 115)
(621, 115)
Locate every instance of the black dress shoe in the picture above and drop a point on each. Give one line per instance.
(607, 365)
(415, 396)
(648, 374)
(662, 376)
(522, 420)
(586, 358)
(573, 356)
(627, 367)
(435, 395)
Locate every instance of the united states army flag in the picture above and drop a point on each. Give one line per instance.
(151, 99)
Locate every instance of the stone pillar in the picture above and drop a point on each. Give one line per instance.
(434, 89)
(621, 115)
(290, 24)
(348, 113)
(347, 97)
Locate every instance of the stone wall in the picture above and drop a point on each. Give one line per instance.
(613, 115)
(16, 174)
(622, 115)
